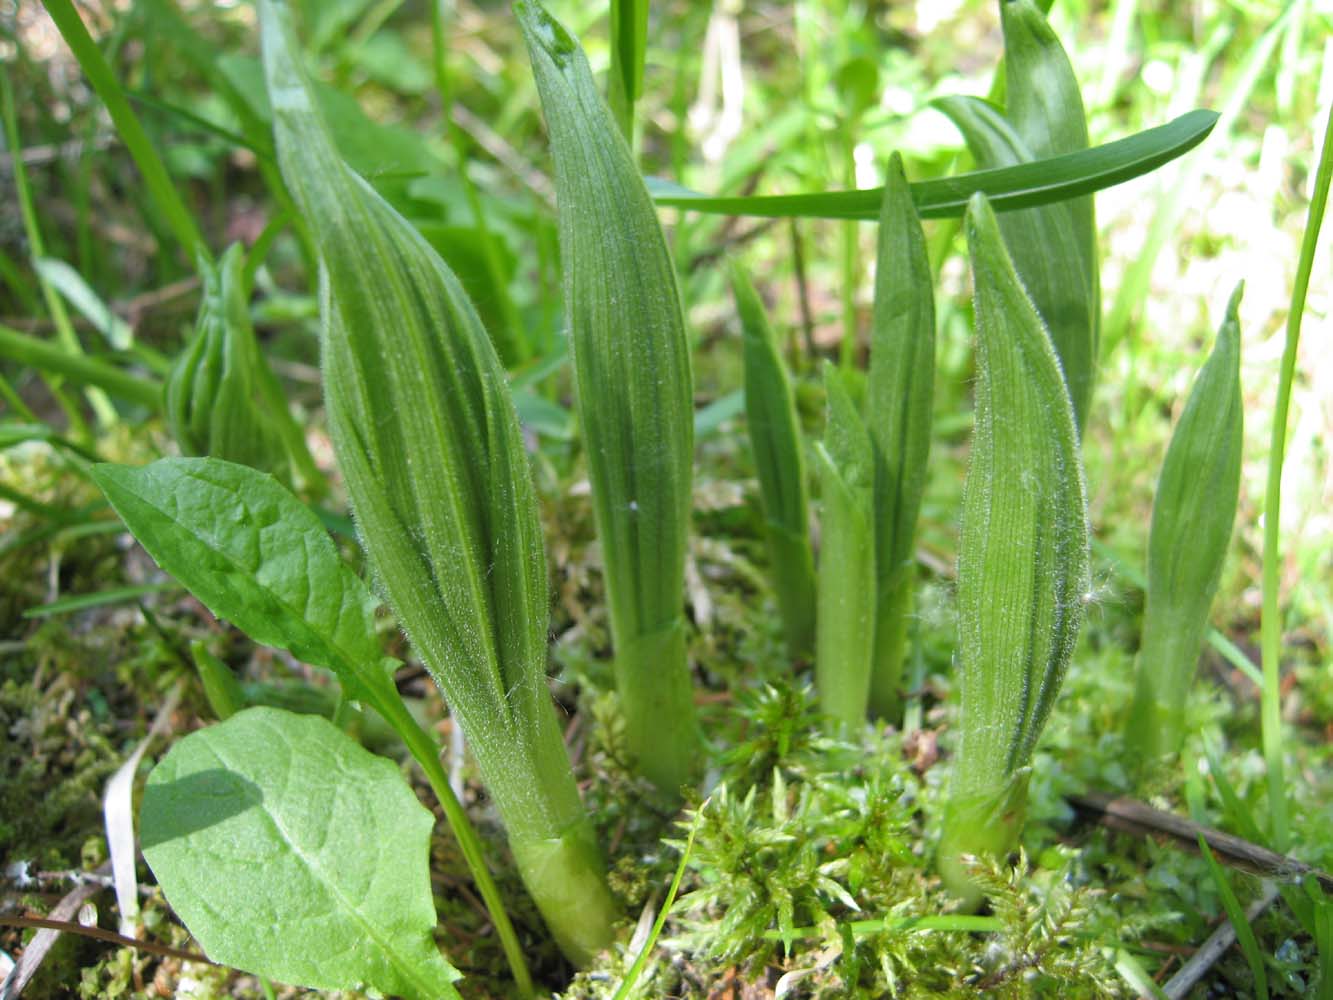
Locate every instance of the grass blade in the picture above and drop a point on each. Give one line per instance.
(1271, 625)
(136, 140)
(1249, 945)
(899, 398)
(629, 47)
(1024, 185)
(632, 372)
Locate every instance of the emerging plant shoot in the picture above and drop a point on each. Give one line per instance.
(426, 434)
(1192, 516)
(632, 373)
(775, 439)
(1022, 560)
(898, 410)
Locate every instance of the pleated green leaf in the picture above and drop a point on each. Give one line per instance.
(1045, 107)
(1044, 245)
(632, 374)
(1192, 518)
(775, 438)
(1022, 562)
(845, 618)
(1049, 179)
(429, 443)
(899, 394)
(214, 402)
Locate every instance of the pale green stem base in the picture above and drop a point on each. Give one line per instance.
(794, 582)
(566, 879)
(979, 824)
(653, 680)
(893, 609)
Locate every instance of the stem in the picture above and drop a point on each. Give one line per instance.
(136, 140)
(427, 754)
(25, 350)
(983, 820)
(657, 698)
(886, 677)
(1271, 630)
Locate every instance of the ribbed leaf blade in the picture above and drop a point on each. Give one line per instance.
(1023, 558)
(845, 620)
(775, 438)
(899, 395)
(1193, 514)
(632, 373)
(1045, 248)
(427, 437)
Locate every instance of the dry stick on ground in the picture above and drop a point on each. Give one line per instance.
(35, 952)
(1179, 985)
(99, 934)
(1131, 816)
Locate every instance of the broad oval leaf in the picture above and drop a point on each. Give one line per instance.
(1040, 182)
(319, 849)
(258, 557)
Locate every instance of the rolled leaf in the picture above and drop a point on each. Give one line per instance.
(214, 402)
(775, 438)
(427, 437)
(1022, 562)
(1045, 107)
(1043, 243)
(899, 395)
(632, 375)
(845, 619)
(1192, 518)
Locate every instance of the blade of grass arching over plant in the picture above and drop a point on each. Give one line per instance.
(632, 372)
(1054, 178)
(426, 435)
(845, 620)
(53, 360)
(775, 439)
(1045, 107)
(136, 140)
(1271, 625)
(899, 397)
(1022, 561)
(1192, 517)
(1172, 204)
(629, 48)
(1044, 246)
